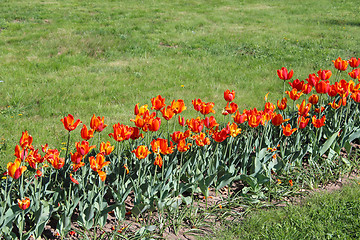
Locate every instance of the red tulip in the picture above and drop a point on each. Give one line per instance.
(284, 75)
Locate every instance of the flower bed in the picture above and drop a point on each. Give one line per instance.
(162, 171)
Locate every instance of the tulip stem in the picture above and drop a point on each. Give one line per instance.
(21, 227)
(67, 145)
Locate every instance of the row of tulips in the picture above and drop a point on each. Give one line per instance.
(163, 171)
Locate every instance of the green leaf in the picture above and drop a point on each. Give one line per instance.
(225, 180)
(327, 144)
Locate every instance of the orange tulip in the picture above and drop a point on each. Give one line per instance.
(287, 131)
(181, 121)
(356, 96)
(97, 164)
(167, 113)
(229, 96)
(340, 64)
(126, 169)
(97, 123)
(14, 170)
(207, 108)
(24, 203)
(140, 121)
(355, 74)
(182, 146)
(313, 99)
(178, 106)
(282, 104)
(201, 139)
(161, 146)
(303, 122)
(178, 136)
(284, 74)
(106, 148)
(158, 103)
(277, 120)
(22, 154)
(240, 118)
(303, 108)
(234, 130)
(34, 158)
(121, 132)
(26, 140)
(54, 159)
(354, 63)
(86, 134)
(69, 123)
(158, 160)
(318, 123)
(83, 148)
(342, 88)
(195, 125)
(232, 108)
(294, 94)
(141, 152)
(76, 157)
(197, 103)
(254, 120)
(318, 110)
(73, 179)
(77, 166)
(334, 105)
(210, 122)
(154, 124)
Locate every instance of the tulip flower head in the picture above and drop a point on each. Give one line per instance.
(287, 131)
(69, 123)
(178, 106)
(97, 123)
(303, 122)
(354, 63)
(340, 64)
(324, 74)
(318, 123)
(277, 120)
(24, 203)
(14, 170)
(141, 152)
(355, 74)
(313, 99)
(282, 104)
(97, 164)
(26, 140)
(86, 134)
(229, 96)
(158, 103)
(284, 74)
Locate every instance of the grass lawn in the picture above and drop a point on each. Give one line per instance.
(329, 215)
(103, 57)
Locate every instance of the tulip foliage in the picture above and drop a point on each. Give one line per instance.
(160, 170)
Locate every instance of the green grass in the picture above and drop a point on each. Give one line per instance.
(331, 215)
(103, 57)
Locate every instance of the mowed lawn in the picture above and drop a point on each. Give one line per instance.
(103, 57)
